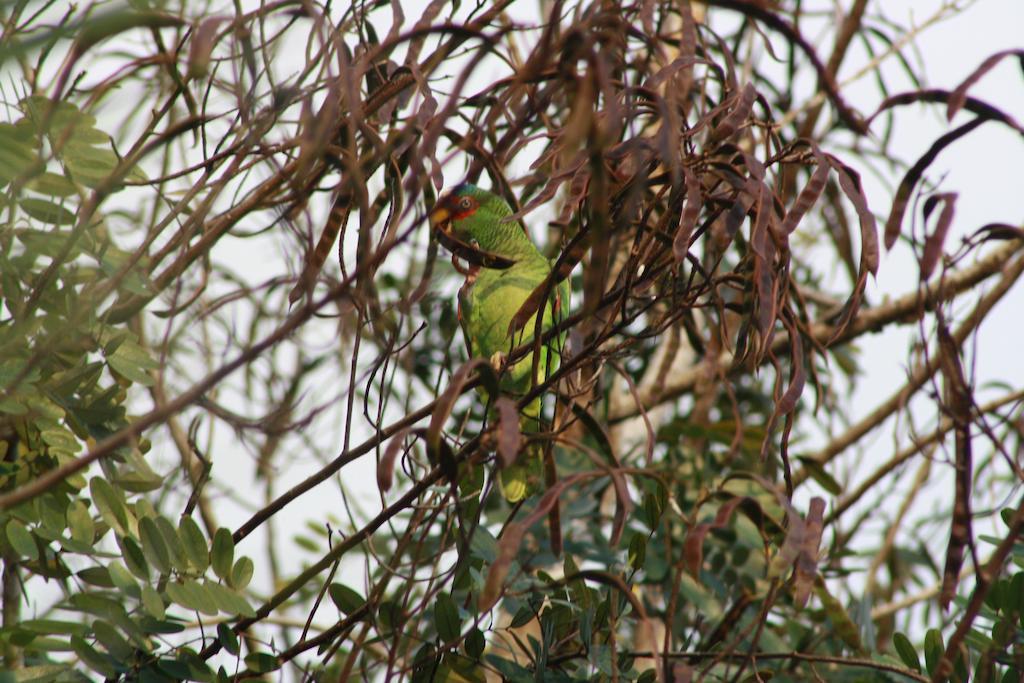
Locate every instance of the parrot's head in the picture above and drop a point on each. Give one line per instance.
(469, 214)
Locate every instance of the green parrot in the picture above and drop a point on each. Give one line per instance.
(499, 280)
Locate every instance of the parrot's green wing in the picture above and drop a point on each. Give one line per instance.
(486, 308)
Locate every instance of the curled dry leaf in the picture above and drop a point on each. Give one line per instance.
(805, 568)
(798, 378)
(737, 115)
(508, 546)
(688, 216)
(765, 282)
(201, 47)
(336, 221)
(623, 506)
(386, 466)
(446, 402)
(509, 436)
(959, 95)
(959, 403)
(933, 244)
(913, 176)
(808, 195)
(693, 546)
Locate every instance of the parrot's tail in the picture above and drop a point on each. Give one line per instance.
(524, 476)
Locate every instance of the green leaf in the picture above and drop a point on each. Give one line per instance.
(906, 651)
(17, 155)
(137, 476)
(99, 663)
(475, 643)
(446, 615)
(80, 522)
(483, 545)
(112, 641)
(818, 473)
(109, 504)
(228, 639)
(222, 552)
(54, 627)
(60, 438)
(637, 551)
(46, 211)
(176, 592)
(89, 165)
(152, 602)
(261, 662)
(201, 597)
(21, 540)
(844, 625)
(508, 669)
(123, 579)
(344, 598)
(96, 576)
(241, 573)
(228, 600)
(153, 546)
(52, 184)
(133, 556)
(932, 649)
(132, 362)
(194, 543)
(174, 545)
(43, 673)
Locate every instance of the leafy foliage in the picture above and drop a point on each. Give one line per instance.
(178, 348)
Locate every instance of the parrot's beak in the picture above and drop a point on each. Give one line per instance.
(440, 218)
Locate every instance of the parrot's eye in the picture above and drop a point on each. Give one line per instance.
(466, 203)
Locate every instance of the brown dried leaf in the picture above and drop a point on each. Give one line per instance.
(672, 69)
(512, 538)
(808, 195)
(744, 102)
(849, 181)
(687, 217)
(509, 437)
(765, 284)
(551, 187)
(562, 268)
(471, 254)
(201, 46)
(997, 231)
(959, 95)
(959, 403)
(806, 567)
(336, 221)
(798, 378)
(913, 175)
(623, 506)
(386, 466)
(693, 545)
(932, 251)
(508, 546)
(446, 402)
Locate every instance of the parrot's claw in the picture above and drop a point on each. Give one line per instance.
(497, 360)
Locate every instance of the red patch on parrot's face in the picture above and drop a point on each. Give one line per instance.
(463, 206)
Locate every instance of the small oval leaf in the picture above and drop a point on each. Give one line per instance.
(222, 553)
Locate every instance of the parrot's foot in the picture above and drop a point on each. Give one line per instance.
(497, 360)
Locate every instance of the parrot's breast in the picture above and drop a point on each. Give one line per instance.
(487, 306)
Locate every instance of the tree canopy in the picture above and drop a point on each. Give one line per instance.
(240, 433)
